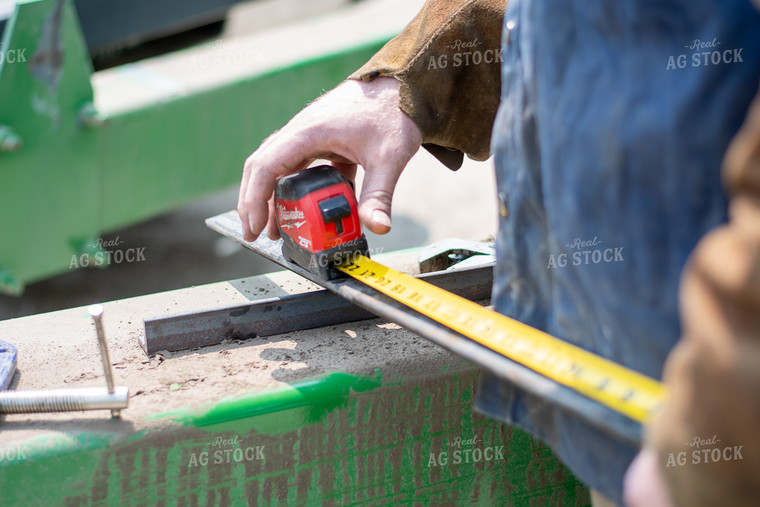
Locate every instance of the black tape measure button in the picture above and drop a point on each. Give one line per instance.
(335, 209)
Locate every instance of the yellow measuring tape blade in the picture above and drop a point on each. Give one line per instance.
(617, 387)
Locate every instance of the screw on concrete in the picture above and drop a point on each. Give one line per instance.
(112, 397)
(96, 312)
(62, 400)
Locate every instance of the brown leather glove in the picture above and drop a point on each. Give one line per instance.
(448, 60)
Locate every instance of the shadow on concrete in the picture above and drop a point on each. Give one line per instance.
(101, 424)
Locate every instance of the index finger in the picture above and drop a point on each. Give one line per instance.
(278, 156)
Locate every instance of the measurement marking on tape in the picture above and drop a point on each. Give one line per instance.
(620, 388)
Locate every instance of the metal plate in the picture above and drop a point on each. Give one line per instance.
(617, 425)
(286, 314)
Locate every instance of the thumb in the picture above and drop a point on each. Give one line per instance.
(376, 196)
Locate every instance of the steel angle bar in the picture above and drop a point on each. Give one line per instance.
(607, 420)
(443, 254)
(286, 314)
(260, 318)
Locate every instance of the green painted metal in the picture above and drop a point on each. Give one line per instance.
(69, 173)
(337, 440)
(50, 187)
(197, 143)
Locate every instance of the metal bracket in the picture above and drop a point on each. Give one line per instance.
(454, 252)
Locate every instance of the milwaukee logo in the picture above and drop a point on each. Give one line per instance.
(286, 214)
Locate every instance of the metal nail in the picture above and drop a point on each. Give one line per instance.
(96, 312)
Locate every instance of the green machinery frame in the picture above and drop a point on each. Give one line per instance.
(69, 173)
(338, 439)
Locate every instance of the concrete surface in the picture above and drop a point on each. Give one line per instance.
(59, 349)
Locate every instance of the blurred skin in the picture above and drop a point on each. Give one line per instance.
(360, 124)
(643, 485)
(356, 123)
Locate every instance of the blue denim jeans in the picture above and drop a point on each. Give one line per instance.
(614, 119)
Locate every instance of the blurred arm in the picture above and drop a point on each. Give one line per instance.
(713, 374)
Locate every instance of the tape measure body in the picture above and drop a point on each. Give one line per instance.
(622, 389)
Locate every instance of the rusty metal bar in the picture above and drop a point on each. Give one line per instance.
(286, 314)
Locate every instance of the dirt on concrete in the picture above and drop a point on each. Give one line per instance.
(59, 350)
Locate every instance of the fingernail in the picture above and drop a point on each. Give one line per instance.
(380, 217)
(254, 235)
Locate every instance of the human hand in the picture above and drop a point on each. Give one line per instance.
(357, 123)
(643, 485)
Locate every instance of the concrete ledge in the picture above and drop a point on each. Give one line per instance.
(59, 349)
(362, 412)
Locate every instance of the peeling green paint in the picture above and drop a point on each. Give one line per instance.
(337, 440)
(308, 402)
(99, 176)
